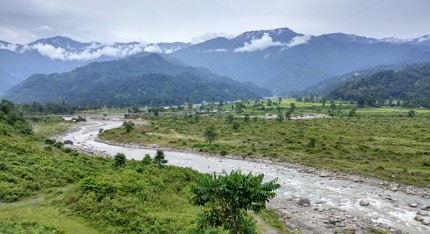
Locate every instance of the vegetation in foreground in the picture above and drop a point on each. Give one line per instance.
(45, 188)
(387, 143)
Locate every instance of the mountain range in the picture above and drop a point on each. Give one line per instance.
(134, 81)
(280, 60)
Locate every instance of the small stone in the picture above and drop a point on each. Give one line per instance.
(324, 175)
(364, 202)
(426, 207)
(423, 213)
(419, 218)
(412, 204)
(304, 202)
(426, 221)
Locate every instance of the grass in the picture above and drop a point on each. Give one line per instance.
(271, 219)
(377, 142)
(41, 211)
(50, 126)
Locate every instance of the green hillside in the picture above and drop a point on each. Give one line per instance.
(134, 81)
(133, 198)
(410, 85)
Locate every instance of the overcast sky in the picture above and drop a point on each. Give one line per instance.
(22, 21)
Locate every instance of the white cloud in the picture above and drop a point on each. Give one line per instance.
(45, 28)
(208, 36)
(259, 44)
(89, 53)
(154, 48)
(298, 40)
(11, 47)
(423, 38)
(215, 50)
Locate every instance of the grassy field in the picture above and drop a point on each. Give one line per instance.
(379, 142)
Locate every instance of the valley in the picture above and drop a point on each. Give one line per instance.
(220, 117)
(326, 189)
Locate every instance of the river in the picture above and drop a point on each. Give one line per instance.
(324, 192)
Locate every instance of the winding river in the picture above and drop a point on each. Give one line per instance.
(325, 192)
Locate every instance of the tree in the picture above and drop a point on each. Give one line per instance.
(246, 118)
(332, 105)
(229, 197)
(210, 134)
(288, 115)
(230, 118)
(146, 160)
(292, 107)
(129, 126)
(280, 117)
(236, 126)
(119, 160)
(159, 158)
(352, 113)
(411, 113)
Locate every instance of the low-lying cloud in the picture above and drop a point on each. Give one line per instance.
(11, 47)
(298, 40)
(90, 54)
(259, 44)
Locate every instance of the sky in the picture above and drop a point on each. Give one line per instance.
(151, 21)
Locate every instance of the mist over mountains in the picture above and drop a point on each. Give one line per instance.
(280, 60)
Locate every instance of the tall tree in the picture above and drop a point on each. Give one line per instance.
(159, 158)
(210, 134)
(128, 126)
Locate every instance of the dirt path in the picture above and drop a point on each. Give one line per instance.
(334, 197)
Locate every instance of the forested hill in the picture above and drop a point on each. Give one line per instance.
(149, 80)
(411, 85)
(325, 86)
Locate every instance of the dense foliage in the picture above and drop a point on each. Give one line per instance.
(47, 108)
(411, 85)
(12, 120)
(114, 195)
(135, 81)
(139, 199)
(229, 197)
(26, 227)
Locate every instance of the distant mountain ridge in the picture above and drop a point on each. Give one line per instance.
(133, 81)
(280, 59)
(284, 61)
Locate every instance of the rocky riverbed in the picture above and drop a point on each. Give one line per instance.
(336, 200)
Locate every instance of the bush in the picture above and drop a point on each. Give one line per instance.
(119, 160)
(147, 160)
(11, 226)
